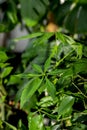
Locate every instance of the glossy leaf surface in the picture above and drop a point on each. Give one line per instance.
(30, 89)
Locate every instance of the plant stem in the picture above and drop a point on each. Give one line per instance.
(82, 78)
(79, 90)
(61, 60)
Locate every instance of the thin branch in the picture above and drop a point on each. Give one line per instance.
(79, 90)
(82, 78)
(64, 119)
(61, 60)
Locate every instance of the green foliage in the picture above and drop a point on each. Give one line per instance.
(10, 19)
(50, 83)
(6, 72)
(35, 122)
(3, 57)
(32, 11)
(47, 64)
(50, 88)
(59, 78)
(30, 89)
(29, 36)
(65, 105)
(76, 18)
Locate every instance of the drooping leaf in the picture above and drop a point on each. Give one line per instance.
(3, 56)
(50, 88)
(29, 36)
(30, 89)
(6, 71)
(65, 105)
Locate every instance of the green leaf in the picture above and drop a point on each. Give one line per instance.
(47, 64)
(33, 35)
(35, 122)
(80, 66)
(66, 105)
(42, 88)
(30, 22)
(57, 72)
(32, 10)
(76, 22)
(50, 88)
(70, 40)
(63, 10)
(56, 127)
(30, 89)
(6, 71)
(43, 38)
(66, 76)
(60, 37)
(3, 65)
(2, 90)
(30, 75)
(12, 11)
(3, 56)
(19, 92)
(79, 49)
(14, 80)
(10, 18)
(37, 68)
(46, 101)
(1, 123)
